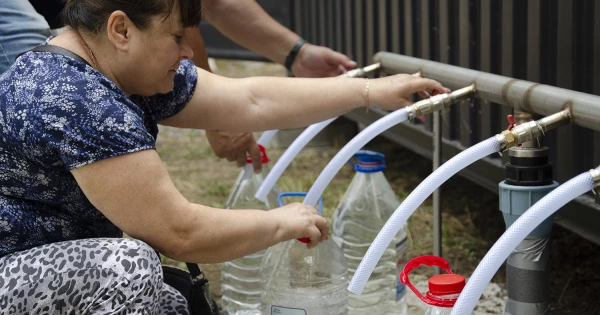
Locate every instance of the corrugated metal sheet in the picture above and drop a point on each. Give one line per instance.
(219, 46)
(552, 42)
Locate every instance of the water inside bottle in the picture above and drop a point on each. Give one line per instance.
(363, 211)
(241, 277)
(312, 280)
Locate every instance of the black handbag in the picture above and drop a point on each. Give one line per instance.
(194, 287)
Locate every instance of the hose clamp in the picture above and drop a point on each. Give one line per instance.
(596, 176)
(506, 139)
(412, 112)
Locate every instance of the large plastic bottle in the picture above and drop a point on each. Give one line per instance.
(363, 211)
(444, 289)
(300, 281)
(241, 277)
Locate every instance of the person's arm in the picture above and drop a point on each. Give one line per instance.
(230, 145)
(196, 42)
(134, 192)
(246, 23)
(255, 104)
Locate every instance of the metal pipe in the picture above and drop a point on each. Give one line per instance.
(437, 194)
(554, 121)
(522, 95)
(528, 179)
(361, 72)
(527, 182)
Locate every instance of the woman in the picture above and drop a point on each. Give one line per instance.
(78, 165)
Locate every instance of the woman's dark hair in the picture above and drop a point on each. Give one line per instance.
(92, 15)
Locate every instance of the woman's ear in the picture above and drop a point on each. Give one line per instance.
(119, 30)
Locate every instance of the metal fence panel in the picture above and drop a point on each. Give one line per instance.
(554, 42)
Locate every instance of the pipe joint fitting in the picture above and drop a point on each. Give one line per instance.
(439, 102)
(527, 131)
(502, 139)
(428, 106)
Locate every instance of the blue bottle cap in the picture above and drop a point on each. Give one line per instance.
(368, 161)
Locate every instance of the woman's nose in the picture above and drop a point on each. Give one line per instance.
(186, 50)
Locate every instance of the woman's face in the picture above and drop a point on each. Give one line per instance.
(154, 56)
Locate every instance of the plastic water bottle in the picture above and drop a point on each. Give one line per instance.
(444, 289)
(363, 211)
(241, 277)
(300, 281)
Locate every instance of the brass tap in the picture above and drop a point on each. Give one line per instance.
(439, 102)
(532, 130)
(361, 72)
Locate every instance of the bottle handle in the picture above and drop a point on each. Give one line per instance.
(263, 155)
(304, 240)
(431, 261)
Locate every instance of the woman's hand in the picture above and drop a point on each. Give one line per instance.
(393, 92)
(234, 145)
(297, 220)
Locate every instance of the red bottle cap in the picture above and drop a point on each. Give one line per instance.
(263, 155)
(439, 286)
(446, 284)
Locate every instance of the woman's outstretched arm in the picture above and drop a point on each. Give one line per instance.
(264, 103)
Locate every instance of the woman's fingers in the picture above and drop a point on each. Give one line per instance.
(395, 91)
(422, 84)
(303, 221)
(424, 94)
(241, 159)
(319, 231)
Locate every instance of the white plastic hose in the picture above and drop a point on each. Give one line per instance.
(266, 137)
(264, 140)
(411, 203)
(348, 151)
(514, 235)
(287, 157)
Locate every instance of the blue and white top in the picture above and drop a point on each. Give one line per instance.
(57, 114)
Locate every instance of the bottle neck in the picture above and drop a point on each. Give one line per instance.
(250, 168)
(450, 297)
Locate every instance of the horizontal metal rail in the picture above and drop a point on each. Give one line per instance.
(521, 95)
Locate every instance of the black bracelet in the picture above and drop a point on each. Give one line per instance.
(289, 60)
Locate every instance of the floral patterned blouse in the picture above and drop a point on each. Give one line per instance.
(57, 114)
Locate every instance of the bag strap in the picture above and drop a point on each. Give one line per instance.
(195, 271)
(58, 50)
